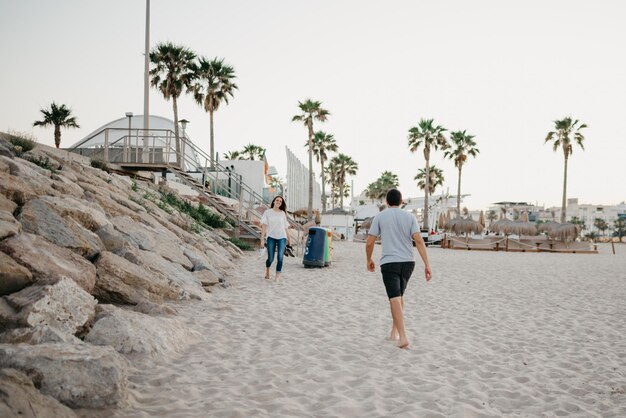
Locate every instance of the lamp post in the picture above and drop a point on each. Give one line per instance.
(129, 115)
(183, 124)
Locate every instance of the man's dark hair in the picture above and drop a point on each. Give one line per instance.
(394, 197)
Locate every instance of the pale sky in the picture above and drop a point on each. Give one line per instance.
(501, 70)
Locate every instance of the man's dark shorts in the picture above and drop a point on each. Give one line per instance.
(396, 276)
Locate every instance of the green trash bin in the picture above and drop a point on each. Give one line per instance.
(328, 248)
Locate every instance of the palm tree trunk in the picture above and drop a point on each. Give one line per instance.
(212, 144)
(342, 182)
(323, 183)
(458, 193)
(57, 135)
(564, 201)
(426, 187)
(310, 205)
(178, 159)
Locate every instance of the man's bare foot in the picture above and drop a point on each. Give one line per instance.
(267, 274)
(403, 343)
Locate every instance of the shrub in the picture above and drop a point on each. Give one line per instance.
(241, 244)
(200, 214)
(24, 141)
(101, 164)
(42, 162)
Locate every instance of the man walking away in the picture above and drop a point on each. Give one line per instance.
(396, 228)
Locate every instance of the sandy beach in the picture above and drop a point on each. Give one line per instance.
(494, 334)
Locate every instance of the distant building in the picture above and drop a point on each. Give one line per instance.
(588, 214)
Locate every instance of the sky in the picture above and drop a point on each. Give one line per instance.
(502, 70)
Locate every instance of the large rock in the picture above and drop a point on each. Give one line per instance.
(136, 333)
(159, 266)
(49, 263)
(38, 178)
(148, 238)
(111, 238)
(39, 217)
(89, 215)
(78, 375)
(37, 335)
(120, 281)
(7, 205)
(9, 226)
(66, 186)
(20, 399)
(63, 306)
(15, 189)
(13, 276)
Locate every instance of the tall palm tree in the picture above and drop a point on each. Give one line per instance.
(60, 117)
(330, 175)
(215, 84)
(463, 145)
(173, 72)
(251, 151)
(232, 155)
(323, 142)
(311, 110)
(563, 130)
(378, 189)
(429, 136)
(345, 166)
(434, 180)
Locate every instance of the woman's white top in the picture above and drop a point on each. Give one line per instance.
(275, 223)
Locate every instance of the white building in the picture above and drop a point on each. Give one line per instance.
(297, 187)
(588, 213)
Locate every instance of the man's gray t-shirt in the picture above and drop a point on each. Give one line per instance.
(395, 228)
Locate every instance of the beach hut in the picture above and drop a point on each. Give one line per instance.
(464, 226)
(565, 231)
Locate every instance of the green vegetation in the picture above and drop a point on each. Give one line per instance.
(43, 162)
(200, 213)
(428, 136)
(60, 117)
(379, 188)
(435, 179)
(24, 141)
(311, 110)
(323, 142)
(463, 146)
(239, 243)
(101, 164)
(133, 186)
(561, 136)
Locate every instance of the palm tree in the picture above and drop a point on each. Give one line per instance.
(378, 189)
(428, 136)
(232, 155)
(491, 216)
(463, 146)
(310, 110)
(215, 84)
(601, 225)
(250, 151)
(344, 166)
(60, 117)
(323, 142)
(173, 71)
(561, 136)
(330, 175)
(619, 226)
(436, 179)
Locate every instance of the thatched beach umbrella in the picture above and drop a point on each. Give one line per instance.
(464, 226)
(441, 223)
(548, 226)
(522, 228)
(481, 218)
(367, 223)
(565, 231)
(501, 227)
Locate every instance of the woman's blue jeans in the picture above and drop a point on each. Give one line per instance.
(272, 243)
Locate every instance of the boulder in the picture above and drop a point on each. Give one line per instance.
(7, 205)
(208, 278)
(37, 335)
(103, 198)
(151, 308)
(49, 263)
(135, 333)
(13, 276)
(36, 177)
(89, 215)
(63, 306)
(157, 265)
(39, 217)
(9, 226)
(78, 375)
(120, 281)
(160, 241)
(111, 239)
(20, 398)
(66, 186)
(15, 189)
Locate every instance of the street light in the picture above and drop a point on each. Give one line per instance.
(129, 115)
(183, 124)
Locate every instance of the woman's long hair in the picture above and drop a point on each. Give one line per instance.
(282, 207)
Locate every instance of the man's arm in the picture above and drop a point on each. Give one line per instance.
(369, 249)
(421, 249)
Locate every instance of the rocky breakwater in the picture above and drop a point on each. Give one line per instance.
(91, 266)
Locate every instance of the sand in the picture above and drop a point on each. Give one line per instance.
(493, 334)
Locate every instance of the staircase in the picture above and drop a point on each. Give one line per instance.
(247, 228)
